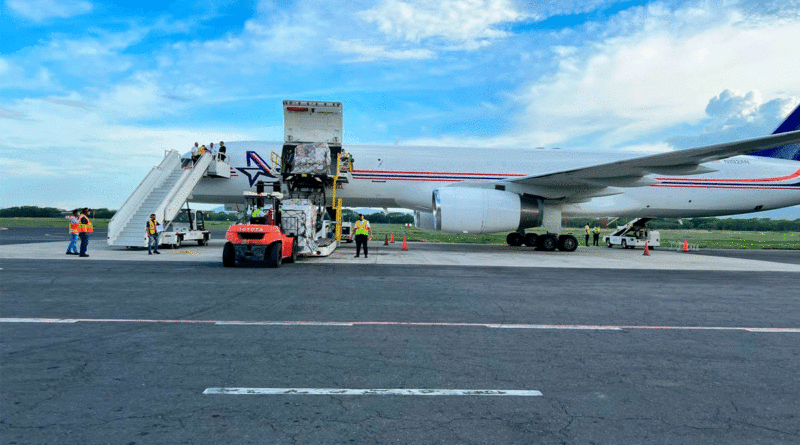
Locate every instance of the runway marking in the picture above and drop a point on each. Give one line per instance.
(566, 327)
(370, 392)
(281, 323)
(36, 320)
(556, 326)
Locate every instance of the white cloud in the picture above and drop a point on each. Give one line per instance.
(8, 114)
(736, 115)
(76, 143)
(14, 168)
(41, 10)
(660, 73)
(366, 53)
(466, 24)
(142, 97)
(545, 9)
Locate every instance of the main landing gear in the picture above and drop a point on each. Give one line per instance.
(548, 242)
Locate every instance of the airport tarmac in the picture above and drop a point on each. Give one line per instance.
(440, 344)
(37, 244)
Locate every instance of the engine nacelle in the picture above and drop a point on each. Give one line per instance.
(479, 210)
(424, 221)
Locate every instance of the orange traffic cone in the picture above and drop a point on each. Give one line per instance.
(646, 249)
(392, 239)
(386, 241)
(685, 246)
(405, 244)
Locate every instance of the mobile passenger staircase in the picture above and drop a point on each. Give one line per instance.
(163, 192)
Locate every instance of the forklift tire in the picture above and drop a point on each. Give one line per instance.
(228, 255)
(202, 242)
(273, 255)
(293, 258)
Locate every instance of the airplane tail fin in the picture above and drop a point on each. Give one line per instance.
(791, 151)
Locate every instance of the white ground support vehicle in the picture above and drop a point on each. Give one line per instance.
(329, 230)
(303, 219)
(189, 225)
(634, 234)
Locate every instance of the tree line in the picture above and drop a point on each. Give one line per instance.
(49, 212)
(731, 224)
(379, 217)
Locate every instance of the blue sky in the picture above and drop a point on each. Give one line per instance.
(92, 93)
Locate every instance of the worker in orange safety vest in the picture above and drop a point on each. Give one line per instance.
(74, 226)
(84, 229)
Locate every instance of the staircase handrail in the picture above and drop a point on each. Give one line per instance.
(179, 193)
(153, 179)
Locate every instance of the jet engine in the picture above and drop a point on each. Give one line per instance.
(479, 210)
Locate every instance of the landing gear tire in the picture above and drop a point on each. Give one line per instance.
(567, 243)
(228, 255)
(514, 239)
(274, 255)
(530, 239)
(548, 242)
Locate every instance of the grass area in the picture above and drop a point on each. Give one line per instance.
(723, 239)
(708, 239)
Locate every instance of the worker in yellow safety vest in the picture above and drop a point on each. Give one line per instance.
(363, 233)
(74, 226)
(153, 231)
(596, 236)
(84, 229)
(261, 216)
(586, 231)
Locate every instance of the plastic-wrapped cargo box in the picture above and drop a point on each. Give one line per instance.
(312, 159)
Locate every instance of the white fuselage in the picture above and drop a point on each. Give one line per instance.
(405, 177)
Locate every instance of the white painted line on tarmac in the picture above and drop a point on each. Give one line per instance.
(37, 320)
(280, 323)
(564, 327)
(774, 330)
(556, 327)
(370, 392)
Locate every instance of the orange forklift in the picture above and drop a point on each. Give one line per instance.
(259, 236)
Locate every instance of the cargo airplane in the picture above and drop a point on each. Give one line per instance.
(478, 190)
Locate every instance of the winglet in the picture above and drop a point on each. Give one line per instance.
(791, 151)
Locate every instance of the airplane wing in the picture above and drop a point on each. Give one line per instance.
(599, 180)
